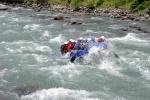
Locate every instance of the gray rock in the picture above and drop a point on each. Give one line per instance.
(4, 8)
(148, 12)
(25, 90)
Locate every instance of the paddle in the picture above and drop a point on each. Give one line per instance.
(116, 55)
(72, 59)
(53, 54)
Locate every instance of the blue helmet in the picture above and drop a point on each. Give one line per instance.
(93, 38)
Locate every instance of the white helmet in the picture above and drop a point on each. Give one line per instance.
(102, 37)
(65, 42)
(71, 40)
(80, 38)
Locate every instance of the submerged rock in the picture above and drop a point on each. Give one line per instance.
(139, 29)
(25, 90)
(74, 23)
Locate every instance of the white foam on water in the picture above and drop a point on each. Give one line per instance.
(10, 32)
(134, 23)
(70, 30)
(58, 39)
(2, 15)
(2, 72)
(20, 19)
(67, 55)
(63, 72)
(100, 52)
(21, 46)
(115, 26)
(45, 35)
(96, 18)
(68, 94)
(143, 67)
(1, 5)
(40, 58)
(145, 72)
(111, 68)
(51, 25)
(16, 8)
(16, 19)
(149, 59)
(59, 94)
(90, 32)
(129, 38)
(102, 58)
(6, 72)
(32, 27)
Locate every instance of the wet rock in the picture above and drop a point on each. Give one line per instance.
(59, 17)
(25, 90)
(74, 23)
(89, 11)
(40, 16)
(148, 12)
(130, 17)
(67, 17)
(124, 29)
(139, 29)
(142, 19)
(123, 17)
(106, 11)
(4, 8)
(77, 9)
(117, 16)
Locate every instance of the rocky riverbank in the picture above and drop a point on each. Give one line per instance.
(121, 14)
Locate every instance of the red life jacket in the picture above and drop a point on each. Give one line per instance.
(71, 46)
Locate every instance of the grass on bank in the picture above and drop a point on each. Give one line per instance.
(134, 5)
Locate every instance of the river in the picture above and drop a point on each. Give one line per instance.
(28, 71)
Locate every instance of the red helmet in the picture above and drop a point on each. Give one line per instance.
(100, 40)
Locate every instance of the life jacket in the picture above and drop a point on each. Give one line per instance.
(63, 48)
(77, 45)
(83, 44)
(71, 46)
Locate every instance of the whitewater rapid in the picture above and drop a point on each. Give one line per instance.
(29, 72)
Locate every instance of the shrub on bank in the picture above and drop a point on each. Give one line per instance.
(136, 5)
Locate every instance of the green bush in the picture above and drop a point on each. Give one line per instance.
(69, 1)
(134, 5)
(91, 5)
(118, 3)
(99, 2)
(75, 3)
(137, 5)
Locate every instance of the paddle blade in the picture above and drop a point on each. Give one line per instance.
(72, 59)
(116, 55)
(53, 54)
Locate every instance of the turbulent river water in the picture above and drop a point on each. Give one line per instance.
(28, 71)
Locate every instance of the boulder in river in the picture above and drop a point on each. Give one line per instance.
(74, 23)
(4, 8)
(59, 17)
(148, 12)
(25, 90)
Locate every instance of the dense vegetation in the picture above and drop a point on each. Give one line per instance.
(136, 5)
